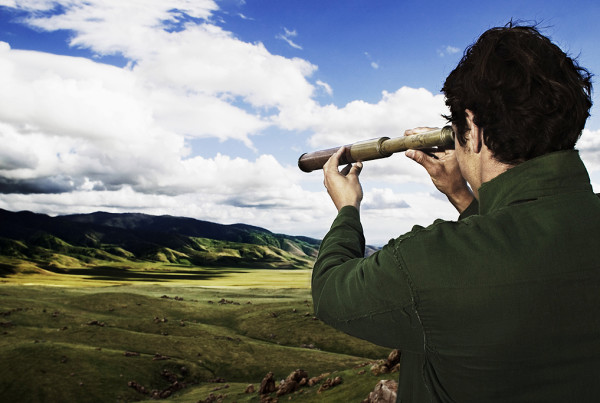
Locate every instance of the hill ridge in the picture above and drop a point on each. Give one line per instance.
(143, 237)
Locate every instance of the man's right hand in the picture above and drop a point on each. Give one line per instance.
(444, 171)
(343, 186)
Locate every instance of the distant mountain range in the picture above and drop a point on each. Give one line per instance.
(52, 243)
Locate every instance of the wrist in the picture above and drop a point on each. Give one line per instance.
(461, 199)
(351, 203)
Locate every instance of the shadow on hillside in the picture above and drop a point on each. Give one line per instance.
(6, 269)
(110, 273)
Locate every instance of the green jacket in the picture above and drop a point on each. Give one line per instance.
(502, 305)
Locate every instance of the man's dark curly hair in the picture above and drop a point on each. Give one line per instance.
(526, 94)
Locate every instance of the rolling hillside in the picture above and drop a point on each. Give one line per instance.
(55, 243)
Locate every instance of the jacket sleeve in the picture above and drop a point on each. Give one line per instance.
(473, 209)
(365, 297)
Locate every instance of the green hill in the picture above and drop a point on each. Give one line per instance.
(82, 240)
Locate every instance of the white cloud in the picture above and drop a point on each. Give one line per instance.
(198, 58)
(69, 96)
(129, 21)
(393, 218)
(208, 60)
(326, 87)
(376, 199)
(81, 136)
(589, 148)
(374, 64)
(452, 50)
(37, 5)
(448, 50)
(287, 37)
(358, 120)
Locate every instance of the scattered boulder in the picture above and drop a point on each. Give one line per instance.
(292, 384)
(287, 387)
(294, 380)
(169, 376)
(163, 394)
(176, 298)
(224, 301)
(131, 354)
(297, 376)
(314, 380)
(391, 364)
(267, 385)
(249, 389)
(174, 386)
(96, 323)
(385, 392)
(330, 383)
(140, 388)
(393, 359)
(10, 311)
(211, 398)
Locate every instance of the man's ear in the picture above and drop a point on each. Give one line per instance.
(474, 134)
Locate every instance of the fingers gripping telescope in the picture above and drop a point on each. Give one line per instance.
(378, 148)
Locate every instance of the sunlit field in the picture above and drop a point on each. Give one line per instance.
(143, 331)
(158, 273)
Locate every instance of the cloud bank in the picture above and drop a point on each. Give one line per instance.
(81, 136)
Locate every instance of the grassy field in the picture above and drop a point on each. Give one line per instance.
(102, 335)
(103, 273)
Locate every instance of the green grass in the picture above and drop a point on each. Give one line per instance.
(69, 343)
(69, 272)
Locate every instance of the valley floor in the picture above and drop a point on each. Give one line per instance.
(87, 340)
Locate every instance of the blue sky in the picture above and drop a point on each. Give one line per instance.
(200, 108)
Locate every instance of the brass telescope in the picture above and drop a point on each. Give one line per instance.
(382, 147)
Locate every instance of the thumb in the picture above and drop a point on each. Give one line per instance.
(356, 168)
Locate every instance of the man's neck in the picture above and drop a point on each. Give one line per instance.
(489, 168)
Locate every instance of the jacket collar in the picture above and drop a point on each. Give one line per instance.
(549, 174)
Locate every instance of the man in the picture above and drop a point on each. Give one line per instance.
(503, 304)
